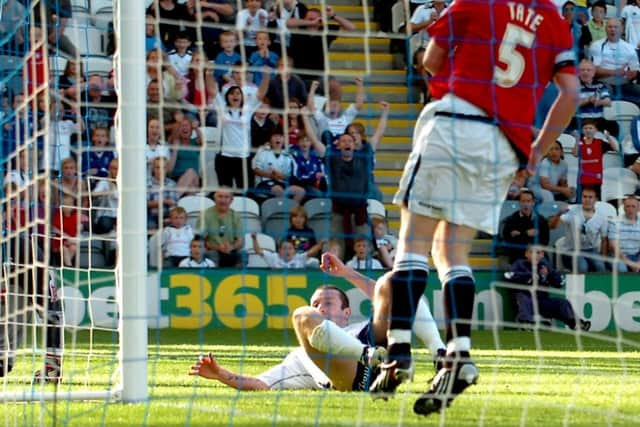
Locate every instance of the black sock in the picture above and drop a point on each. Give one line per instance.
(406, 289)
(459, 295)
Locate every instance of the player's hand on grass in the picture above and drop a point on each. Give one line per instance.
(206, 367)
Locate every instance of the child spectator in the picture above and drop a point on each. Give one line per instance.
(61, 128)
(151, 39)
(239, 78)
(226, 58)
(385, 243)
(161, 194)
(196, 259)
(362, 259)
(273, 169)
(590, 150)
(71, 183)
(65, 227)
(334, 122)
(201, 88)
(286, 256)
(552, 175)
(262, 57)
(96, 160)
(535, 271)
(249, 21)
(308, 157)
(335, 248)
(176, 238)
(293, 120)
(300, 234)
(105, 200)
(180, 55)
(595, 28)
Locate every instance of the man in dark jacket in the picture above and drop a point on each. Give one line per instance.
(524, 227)
(535, 271)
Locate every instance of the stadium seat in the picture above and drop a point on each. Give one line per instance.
(376, 209)
(100, 6)
(617, 182)
(88, 40)
(549, 209)
(612, 160)
(567, 141)
(275, 216)
(622, 112)
(195, 205)
(249, 213)
(155, 252)
(103, 20)
(91, 253)
(81, 18)
(607, 209)
(57, 64)
(397, 16)
(98, 64)
(612, 11)
(508, 208)
(573, 167)
(319, 217)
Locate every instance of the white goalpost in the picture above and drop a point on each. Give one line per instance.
(127, 382)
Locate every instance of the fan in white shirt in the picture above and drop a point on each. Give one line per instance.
(362, 260)
(197, 258)
(335, 120)
(286, 256)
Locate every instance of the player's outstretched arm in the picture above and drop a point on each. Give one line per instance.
(331, 264)
(208, 367)
(557, 119)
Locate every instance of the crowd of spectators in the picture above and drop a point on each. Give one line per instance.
(256, 76)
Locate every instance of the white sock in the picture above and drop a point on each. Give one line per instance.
(426, 329)
(459, 344)
(330, 338)
(398, 336)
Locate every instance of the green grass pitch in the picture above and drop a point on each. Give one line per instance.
(526, 379)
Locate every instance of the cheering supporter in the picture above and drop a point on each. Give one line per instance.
(308, 156)
(262, 57)
(201, 89)
(172, 87)
(367, 147)
(362, 259)
(184, 163)
(227, 57)
(590, 149)
(586, 237)
(273, 170)
(105, 201)
(287, 257)
(617, 63)
(97, 158)
(71, 183)
(234, 116)
(249, 21)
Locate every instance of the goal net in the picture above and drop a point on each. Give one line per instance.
(131, 129)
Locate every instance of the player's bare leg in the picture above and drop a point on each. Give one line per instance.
(332, 349)
(451, 248)
(408, 282)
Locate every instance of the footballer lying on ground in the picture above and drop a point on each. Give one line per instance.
(333, 353)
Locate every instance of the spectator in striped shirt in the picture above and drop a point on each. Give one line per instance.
(196, 259)
(624, 237)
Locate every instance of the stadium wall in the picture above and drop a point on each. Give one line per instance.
(248, 299)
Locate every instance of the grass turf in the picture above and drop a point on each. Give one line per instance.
(526, 378)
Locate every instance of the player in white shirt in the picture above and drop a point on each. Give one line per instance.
(334, 354)
(197, 259)
(334, 122)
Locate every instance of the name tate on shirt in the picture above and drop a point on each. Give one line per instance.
(525, 15)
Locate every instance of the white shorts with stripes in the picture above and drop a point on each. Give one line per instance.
(459, 170)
